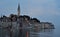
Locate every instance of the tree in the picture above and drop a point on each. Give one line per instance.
(13, 17)
(28, 17)
(35, 20)
(4, 16)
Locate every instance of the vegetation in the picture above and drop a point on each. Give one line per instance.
(35, 20)
(13, 17)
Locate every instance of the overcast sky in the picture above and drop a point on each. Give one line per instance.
(44, 10)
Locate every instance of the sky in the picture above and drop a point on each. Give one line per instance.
(44, 10)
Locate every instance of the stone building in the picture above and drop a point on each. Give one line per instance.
(47, 25)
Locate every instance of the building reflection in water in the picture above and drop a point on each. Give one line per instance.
(27, 33)
(42, 33)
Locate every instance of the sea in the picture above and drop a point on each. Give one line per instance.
(30, 33)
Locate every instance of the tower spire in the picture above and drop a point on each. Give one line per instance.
(18, 9)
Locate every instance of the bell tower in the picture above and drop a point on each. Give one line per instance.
(18, 9)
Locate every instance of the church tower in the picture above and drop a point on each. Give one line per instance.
(18, 9)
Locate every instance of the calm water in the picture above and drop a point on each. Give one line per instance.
(32, 33)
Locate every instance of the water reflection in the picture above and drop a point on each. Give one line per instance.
(42, 33)
(27, 33)
(9, 33)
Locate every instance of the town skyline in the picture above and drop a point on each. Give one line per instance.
(48, 12)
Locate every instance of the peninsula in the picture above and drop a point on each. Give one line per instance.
(25, 21)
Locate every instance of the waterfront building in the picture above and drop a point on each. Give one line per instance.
(47, 25)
